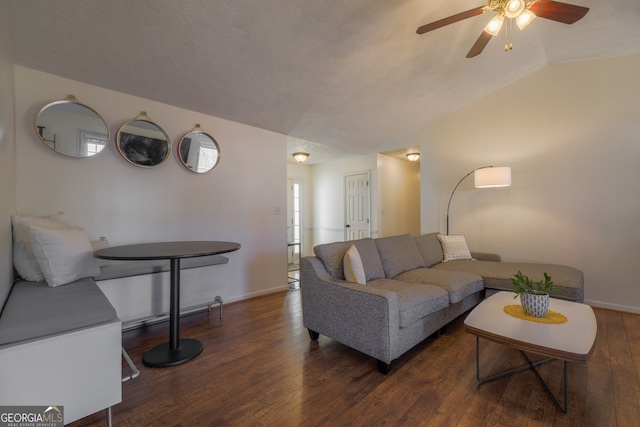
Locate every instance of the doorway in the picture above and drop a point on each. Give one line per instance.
(294, 228)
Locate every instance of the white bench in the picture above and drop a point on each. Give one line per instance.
(60, 346)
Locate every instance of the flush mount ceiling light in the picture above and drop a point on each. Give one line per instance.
(300, 157)
(520, 11)
(414, 157)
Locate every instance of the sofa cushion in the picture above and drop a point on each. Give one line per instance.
(36, 310)
(398, 254)
(430, 248)
(332, 256)
(458, 284)
(416, 301)
(569, 282)
(353, 269)
(454, 247)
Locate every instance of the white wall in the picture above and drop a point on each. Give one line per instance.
(571, 134)
(110, 197)
(399, 196)
(7, 152)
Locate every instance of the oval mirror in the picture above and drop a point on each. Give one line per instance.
(71, 128)
(198, 151)
(143, 143)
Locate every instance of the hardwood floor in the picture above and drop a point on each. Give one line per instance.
(259, 368)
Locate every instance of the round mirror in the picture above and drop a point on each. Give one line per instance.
(198, 151)
(71, 128)
(143, 143)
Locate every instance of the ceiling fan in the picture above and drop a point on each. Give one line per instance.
(523, 12)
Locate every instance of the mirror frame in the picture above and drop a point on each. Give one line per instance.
(142, 117)
(197, 130)
(70, 100)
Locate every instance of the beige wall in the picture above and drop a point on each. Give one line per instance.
(110, 197)
(7, 151)
(571, 134)
(399, 189)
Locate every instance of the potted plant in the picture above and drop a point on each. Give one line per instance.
(534, 296)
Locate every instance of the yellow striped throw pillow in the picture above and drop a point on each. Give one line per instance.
(353, 269)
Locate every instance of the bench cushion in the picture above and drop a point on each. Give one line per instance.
(35, 310)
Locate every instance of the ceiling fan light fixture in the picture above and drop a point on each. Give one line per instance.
(525, 18)
(514, 8)
(494, 26)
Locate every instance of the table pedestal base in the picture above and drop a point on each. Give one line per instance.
(162, 355)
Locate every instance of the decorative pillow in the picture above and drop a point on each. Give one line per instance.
(353, 268)
(101, 243)
(64, 255)
(24, 259)
(454, 247)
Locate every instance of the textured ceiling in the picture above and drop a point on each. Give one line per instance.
(337, 77)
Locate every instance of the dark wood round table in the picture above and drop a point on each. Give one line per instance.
(177, 350)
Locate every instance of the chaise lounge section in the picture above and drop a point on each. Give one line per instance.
(407, 291)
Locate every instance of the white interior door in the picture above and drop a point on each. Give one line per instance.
(357, 194)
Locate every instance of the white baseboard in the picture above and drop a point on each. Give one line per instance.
(611, 306)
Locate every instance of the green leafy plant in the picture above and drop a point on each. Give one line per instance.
(523, 285)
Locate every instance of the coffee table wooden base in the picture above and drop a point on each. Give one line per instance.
(530, 365)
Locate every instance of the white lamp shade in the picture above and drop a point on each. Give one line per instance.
(492, 177)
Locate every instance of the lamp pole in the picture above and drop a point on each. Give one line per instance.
(456, 187)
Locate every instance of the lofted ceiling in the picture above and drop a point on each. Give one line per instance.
(338, 78)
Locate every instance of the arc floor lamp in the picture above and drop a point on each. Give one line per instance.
(485, 177)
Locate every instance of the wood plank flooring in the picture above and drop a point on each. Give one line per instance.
(259, 368)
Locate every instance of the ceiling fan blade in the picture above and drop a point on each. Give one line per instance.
(450, 20)
(479, 45)
(558, 11)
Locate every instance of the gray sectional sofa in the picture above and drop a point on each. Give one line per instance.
(410, 293)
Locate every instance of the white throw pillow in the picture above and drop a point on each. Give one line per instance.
(454, 247)
(64, 255)
(24, 259)
(353, 268)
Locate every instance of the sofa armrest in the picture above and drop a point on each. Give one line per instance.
(364, 318)
(486, 256)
